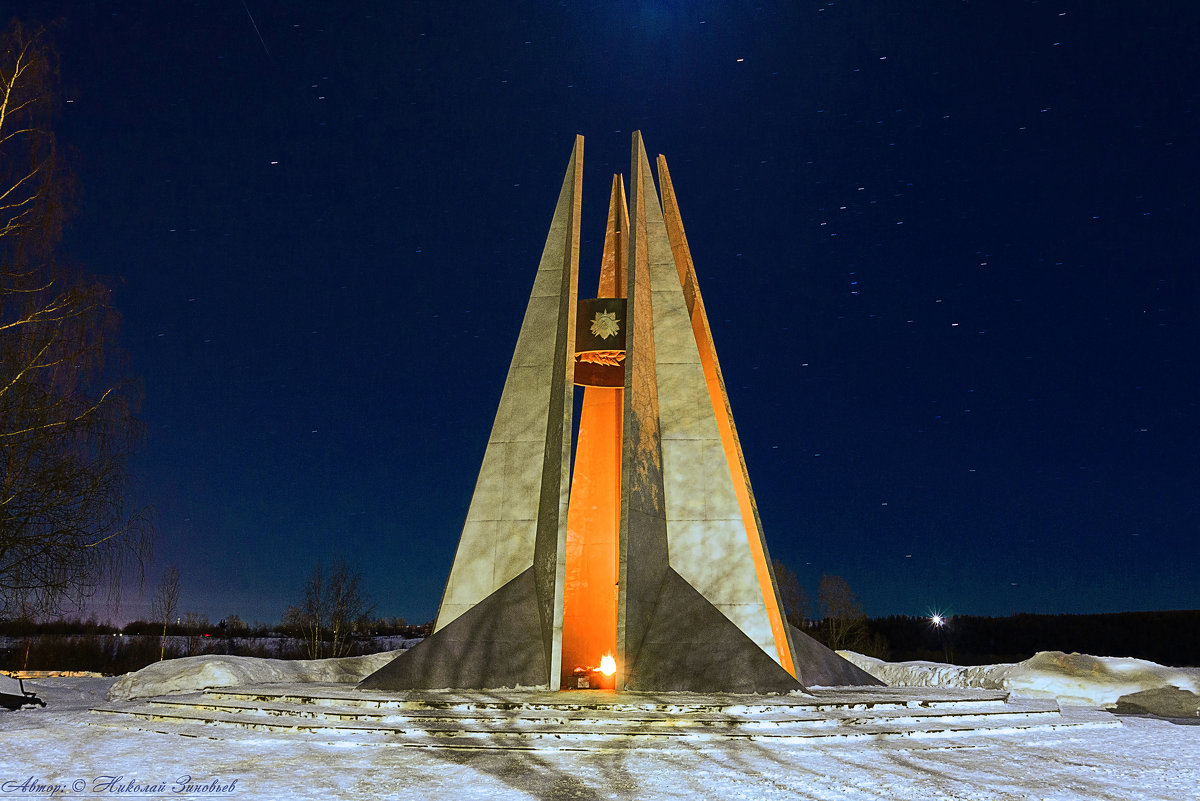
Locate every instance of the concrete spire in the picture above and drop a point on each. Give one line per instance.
(500, 621)
(659, 555)
(691, 614)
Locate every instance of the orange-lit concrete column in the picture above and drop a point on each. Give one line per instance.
(593, 515)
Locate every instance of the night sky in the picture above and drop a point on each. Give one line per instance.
(949, 252)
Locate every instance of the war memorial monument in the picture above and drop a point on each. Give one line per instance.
(647, 568)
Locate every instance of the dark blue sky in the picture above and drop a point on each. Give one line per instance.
(949, 250)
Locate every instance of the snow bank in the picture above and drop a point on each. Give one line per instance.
(1069, 678)
(192, 673)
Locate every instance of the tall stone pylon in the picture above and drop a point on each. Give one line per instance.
(694, 610)
(500, 620)
(655, 556)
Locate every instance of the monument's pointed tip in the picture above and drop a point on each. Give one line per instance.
(612, 263)
(641, 162)
(576, 160)
(639, 149)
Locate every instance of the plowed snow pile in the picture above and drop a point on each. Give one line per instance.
(1076, 679)
(193, 673)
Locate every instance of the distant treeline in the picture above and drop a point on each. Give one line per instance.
(1169, 638)
(191, 625)
(101, 647)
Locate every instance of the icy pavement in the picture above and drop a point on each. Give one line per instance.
(1146, 758)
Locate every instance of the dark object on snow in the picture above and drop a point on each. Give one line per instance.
(1165, 702)
(13, 694)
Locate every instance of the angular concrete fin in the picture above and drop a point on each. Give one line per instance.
(706, 532)
(643, 531)
(550, 546)
(517, 516)
(692, 647)
(496, 643)
(820, 666)
(730, 443)
(616, 252)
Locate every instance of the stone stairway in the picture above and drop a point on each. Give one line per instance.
(584, 720)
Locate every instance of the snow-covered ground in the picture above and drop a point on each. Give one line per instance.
(1145, 758)
(192, 673)
(1117, 683)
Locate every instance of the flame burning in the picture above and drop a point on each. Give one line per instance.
(608, 665)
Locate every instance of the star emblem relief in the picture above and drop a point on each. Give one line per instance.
(605, 324)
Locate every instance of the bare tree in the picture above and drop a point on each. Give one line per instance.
(796, 606)
(165, 604)
(66, 424)
(844, 621)
(348, 608)
(195, 626)
(335, 607)
(312, 613)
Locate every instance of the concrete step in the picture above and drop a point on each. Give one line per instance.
(466, 718)
(674, 703)
(606, 717)
(562, 740)
(594, 721)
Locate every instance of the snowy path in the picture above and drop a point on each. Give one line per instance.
(1143, 759)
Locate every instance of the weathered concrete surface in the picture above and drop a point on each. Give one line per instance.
(691, 646)
(819, 666)
(680, 508)
(496, 643)
(643, 539)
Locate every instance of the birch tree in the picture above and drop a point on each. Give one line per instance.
(66, 422)
(166, 604)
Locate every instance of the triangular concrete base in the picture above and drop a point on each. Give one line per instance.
(819, 666)
(691, 647)
(497, 643)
